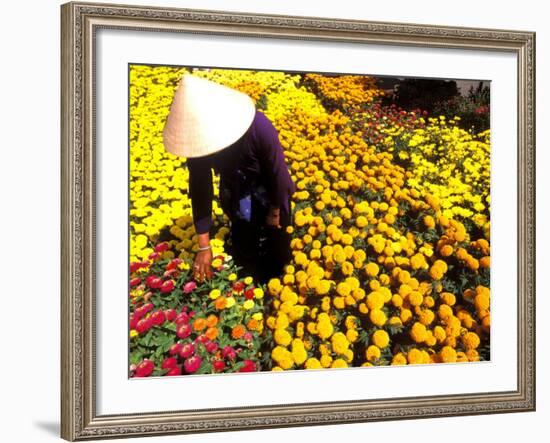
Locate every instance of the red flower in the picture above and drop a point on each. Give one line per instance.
(135, 281)
(161, 247)
(158, 318)
(249, 366)
(133, 321)
(229, 352)
(169, 362)
(249, 294)
(187, 350)
(171, 314)
(134, 266)
(167, 286)
(144, 325)
(144, 369)
(173, 263)
(192, 364)
(176, 370)
(154, 255)
(175, 349)
(182, 317)
(218, 365)
(238, 286)
(211, 346)
(153, 281)
(183, 330)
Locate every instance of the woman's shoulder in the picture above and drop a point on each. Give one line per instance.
(262, 125)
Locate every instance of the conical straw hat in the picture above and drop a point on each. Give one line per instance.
(205, 117)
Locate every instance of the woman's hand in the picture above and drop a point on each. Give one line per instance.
(202, 267)
(273, 217)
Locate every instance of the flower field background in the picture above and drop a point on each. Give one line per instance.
(391, 237)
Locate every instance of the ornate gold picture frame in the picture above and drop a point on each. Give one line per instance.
(79, 24)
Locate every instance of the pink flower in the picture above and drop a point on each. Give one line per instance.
(189, 287)
(192, 364)
(211, 347)
(229, 352)
(248, 336)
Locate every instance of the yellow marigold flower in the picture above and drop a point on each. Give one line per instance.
(399, 359)
(282, 357)
(339, 302)
(481, 301)
(372, 353)
(230, 302)
(470, 340)
(232, 277)
(415, 357)
(375, 300)
(248, 304)
(448, 354)
(445, 311)
(313, 363)
(405, 315)
(415, 298)
(418, 332)
(448, 298)
(282, 337)
(426, 317)
(323, 287)
(397, 300)
(446, 250)
(352, 335)
(339, 363)
(325, 329)
(404, 290)
(274, 286)
(299, 354)
(381, 338)
(429, 222)
(372, 269)
(281, 321)
(343, 289)
(326, 361)
(258, 292)
(214, 294)
(378, 317)
(340, 343)
(133, 333)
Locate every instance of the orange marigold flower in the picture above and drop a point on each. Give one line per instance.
(211, 320)
(199, 324)
(220, 303)
(212, 333)
(238, 331)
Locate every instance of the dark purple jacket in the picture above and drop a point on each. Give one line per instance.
(258, 153)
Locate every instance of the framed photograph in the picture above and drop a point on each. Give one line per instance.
(277, 221)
